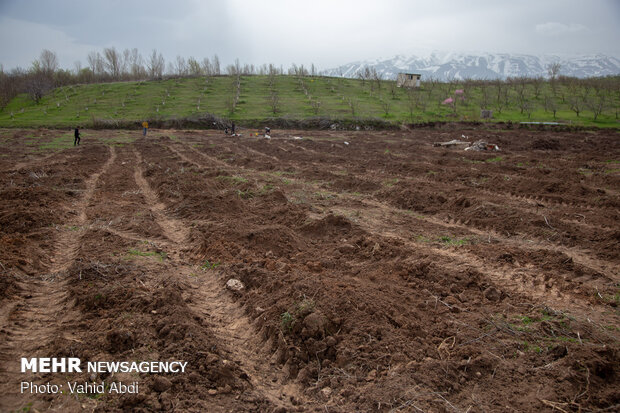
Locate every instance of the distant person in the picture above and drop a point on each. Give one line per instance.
(76, 141)
(232, 128)
(145, 127)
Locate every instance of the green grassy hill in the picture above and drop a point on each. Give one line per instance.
(254, 99)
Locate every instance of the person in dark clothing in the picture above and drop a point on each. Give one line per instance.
(233, 129)
(76, 141)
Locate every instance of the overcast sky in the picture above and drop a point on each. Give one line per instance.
(327, 33)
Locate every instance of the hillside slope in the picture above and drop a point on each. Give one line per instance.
(283, 100)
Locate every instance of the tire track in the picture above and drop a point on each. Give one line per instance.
(235, 331)
(173, 229)
(579, 256)
(68, 245)
(211, 159)
(44, 309)
(226, 318)
(33, 162)
(524, 280)
(255, 152)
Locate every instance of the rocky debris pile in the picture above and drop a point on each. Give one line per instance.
(482, 146)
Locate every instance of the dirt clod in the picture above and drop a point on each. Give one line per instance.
(161, 384)
(492, 294)
(235, 285)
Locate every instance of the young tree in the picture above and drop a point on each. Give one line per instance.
(537, 83)
(216, 65)
(567, 84)
(385, 104)
(40, 77)
(231, 70)
(553, 70)
(378, 77)
(156, 65)
(85, 75)
(248, 69)
(274, 101)
(180, 67)
(428, 86)
(360, 76)
(235, 94)
(9, 85)
(412, 103)
(316, 106)
(112, 62)
(125, 67)
(194, 68)
(353, 106)
(37, 83)
(207, 67)
(577, 95)
(527, 107)
(502, 98)
(575, 103)
(551, 105)
(48, 62)
(597, 103)
(136, 64)
(96, 64)
(485, 98)
(393, 88)
(519, 84)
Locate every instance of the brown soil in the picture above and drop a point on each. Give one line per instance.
(382, 274)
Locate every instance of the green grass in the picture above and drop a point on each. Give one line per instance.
(287, 320)
(496, 159)
(299, 311)
(281, 173)
(341, 99)
(57, 143)
(610, 298)
(446, 240)
(208, 265)
(26, 408)
(247, 194)
(530, 347)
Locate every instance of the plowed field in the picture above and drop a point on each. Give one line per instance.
(380, 273)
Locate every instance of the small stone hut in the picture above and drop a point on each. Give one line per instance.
(408, 80)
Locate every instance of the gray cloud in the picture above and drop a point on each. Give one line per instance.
(324, 32)
(558, 29)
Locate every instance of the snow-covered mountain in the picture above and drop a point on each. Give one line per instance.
(449, 65)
